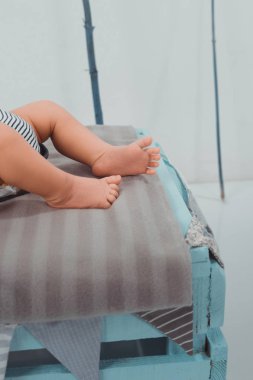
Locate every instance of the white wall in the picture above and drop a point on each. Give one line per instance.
(155, 71)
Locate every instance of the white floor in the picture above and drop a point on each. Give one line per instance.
(232, 223)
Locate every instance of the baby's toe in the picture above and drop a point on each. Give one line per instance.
(114, 187)
(150, 171)
(111, 198)
(114, 179)
(153, 164)
(107, 204)
(155, 157)
(144, 142)
(114, 193)
(153, 150)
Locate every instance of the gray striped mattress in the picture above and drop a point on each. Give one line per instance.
(66, 264)
(63, 264)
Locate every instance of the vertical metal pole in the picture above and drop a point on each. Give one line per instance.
(92, 62)
(217, 111)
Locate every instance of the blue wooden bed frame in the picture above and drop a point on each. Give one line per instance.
(210, 349)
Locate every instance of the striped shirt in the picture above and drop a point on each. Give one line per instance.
(21, 126)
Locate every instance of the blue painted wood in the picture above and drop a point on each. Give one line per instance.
(149, 368)
(217, 295)
(216, 344)
(161, 367)
(199, 343)
(24, 340)
(218, 351)
(218, 370)
(201, 290)
(43, 372)
(177, 366)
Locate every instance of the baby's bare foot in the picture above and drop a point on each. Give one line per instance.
(136, 158)
(89, 193)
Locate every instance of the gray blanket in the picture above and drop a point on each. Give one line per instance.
(65, 264)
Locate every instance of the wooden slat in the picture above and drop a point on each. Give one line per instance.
(217, 350)
(43, 372)
(161, 367)
(148, 368)
(218, 370)
(179, 366)
(217, 295)
(216, 345)
(201, 289)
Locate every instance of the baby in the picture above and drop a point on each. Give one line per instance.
(23, 167)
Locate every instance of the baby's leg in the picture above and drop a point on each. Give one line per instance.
(22, 166)
(72, 139)
(69, 136)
